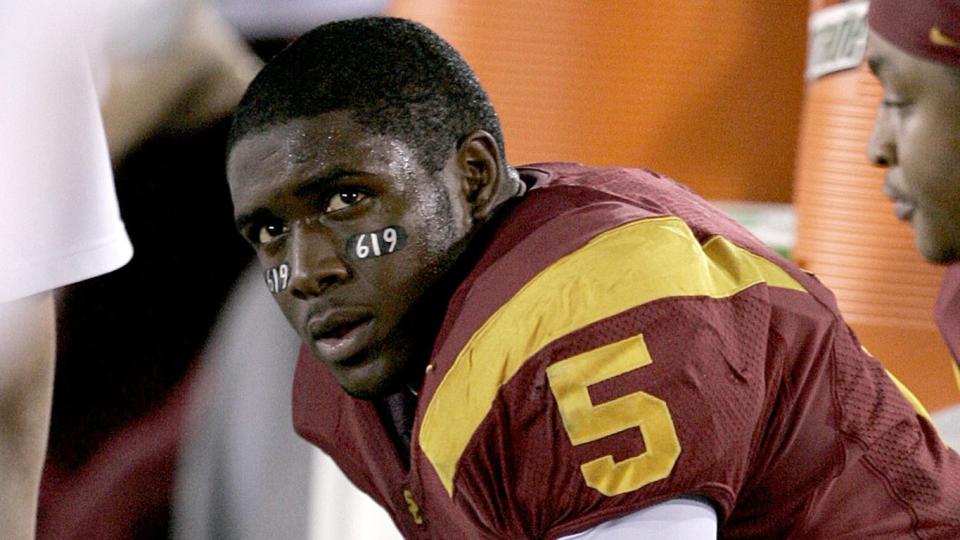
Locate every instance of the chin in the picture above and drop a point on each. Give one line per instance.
(368, 381)
(381, 371)
(368, 390)
(936, 252)
(364, 393)
(943, 257)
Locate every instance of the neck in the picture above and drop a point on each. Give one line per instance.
(431, 309)
(397, 412)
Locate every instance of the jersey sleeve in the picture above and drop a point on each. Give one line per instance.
(629, 372)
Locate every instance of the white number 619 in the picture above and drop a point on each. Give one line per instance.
(377, 243)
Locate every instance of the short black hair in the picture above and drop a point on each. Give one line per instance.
(395, 76)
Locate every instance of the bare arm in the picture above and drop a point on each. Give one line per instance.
(27, 330)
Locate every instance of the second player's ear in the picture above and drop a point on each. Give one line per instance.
(481, 168)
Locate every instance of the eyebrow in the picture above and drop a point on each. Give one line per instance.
(310, 186)
(317, 183)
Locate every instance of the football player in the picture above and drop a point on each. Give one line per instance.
(914, 50)
(551, 350)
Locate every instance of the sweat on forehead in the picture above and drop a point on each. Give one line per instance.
(928, 29)
(394, 76)
(323, 146)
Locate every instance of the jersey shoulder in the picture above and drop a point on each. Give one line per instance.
(579, 362)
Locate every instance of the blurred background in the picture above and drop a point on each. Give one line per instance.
(171, 407)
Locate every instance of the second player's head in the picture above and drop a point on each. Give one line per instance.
(361, 160)
(914, 51)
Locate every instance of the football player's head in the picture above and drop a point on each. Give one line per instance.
(394, 76)
(914, 50)
(361, 161)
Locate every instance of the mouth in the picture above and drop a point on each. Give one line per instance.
(339, 335)
(902, 206)
(903, 209)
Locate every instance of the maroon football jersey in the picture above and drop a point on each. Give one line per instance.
(948, 313)
(620, 343)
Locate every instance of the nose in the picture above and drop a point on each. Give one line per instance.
(882, 150)
(315, 264)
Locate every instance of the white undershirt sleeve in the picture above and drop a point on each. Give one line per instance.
(59, 218)
(676, 519)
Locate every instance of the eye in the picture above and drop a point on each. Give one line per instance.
(269, 232)
(344, 198)
(894, 99)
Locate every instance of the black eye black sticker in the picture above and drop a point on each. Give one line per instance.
(376, 243)
(277, 277)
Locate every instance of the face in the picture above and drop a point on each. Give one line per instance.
(353, 235)
(917, 138)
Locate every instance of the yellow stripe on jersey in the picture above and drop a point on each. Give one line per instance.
(620, 269)
(914, 401)
(905, 391)
(956, 374)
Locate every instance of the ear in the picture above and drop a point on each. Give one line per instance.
(482, 172)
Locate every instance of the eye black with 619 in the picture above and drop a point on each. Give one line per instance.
(376, 243)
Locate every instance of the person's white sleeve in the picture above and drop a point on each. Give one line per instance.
(676, 519)
(59, 218)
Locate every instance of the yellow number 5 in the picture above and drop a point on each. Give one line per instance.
(586, 422)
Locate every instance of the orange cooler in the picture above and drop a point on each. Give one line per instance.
(706, 92)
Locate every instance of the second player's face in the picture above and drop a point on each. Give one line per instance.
(352, 233)
(917, 137)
